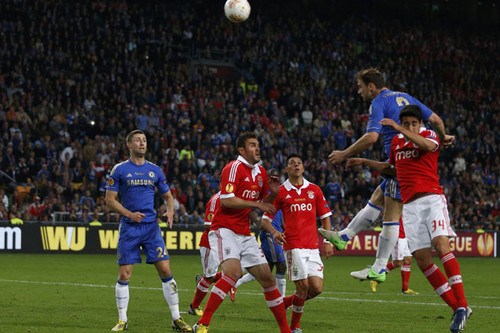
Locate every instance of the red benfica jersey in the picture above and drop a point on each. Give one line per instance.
(212, 205)
(300, 207)
(242, 180)
(416, 169)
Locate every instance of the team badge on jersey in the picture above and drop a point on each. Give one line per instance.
(151, 174)
(111, 182)
(260, 181)
(227, 250)
(229, 188)
(310, 194)
(210, 217)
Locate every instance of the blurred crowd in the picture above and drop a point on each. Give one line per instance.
(76, 77)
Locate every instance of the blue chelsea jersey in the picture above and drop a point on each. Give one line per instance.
(277, 221)
(136, 185)
(388, 104)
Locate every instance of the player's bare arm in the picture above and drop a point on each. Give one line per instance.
(327, 246)
(238, 203)
(383, 167)
(365, 142)
(420, 141)
(113, 204)
(170, 208)
(438, 126)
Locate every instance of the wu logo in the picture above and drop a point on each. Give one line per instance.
(63, 238)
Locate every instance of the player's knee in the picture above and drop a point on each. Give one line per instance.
(315, 291)
(281, 268)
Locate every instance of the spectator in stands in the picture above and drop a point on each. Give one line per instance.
(36, 208)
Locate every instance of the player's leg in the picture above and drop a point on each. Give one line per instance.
(156, 253)
(366, 216)
(363, 219)
(386, 241)
(256, 265)
(281, 277)
(440, 233)
(122, 296)
(129, 253)
(230, 265)
(452, 269)
(298, 300)
(405, 266)
(275, 257)
(419, 234)
(210, 264)
(435, 276)
(244, 279)
(274, 300)
(390, 231)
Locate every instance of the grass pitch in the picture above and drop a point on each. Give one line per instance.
(75, 293)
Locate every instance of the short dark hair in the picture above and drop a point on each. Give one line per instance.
(289, 157)
(410, 111)
(371, 75)
(273, 170)
(134, 132)
(243, 137)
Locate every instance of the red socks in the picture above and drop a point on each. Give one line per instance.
(440, 285)
(452, 270)
(275, 303)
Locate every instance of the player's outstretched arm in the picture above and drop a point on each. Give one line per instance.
(365, 142)
(438, 125)
(383, 167)
(426, 145)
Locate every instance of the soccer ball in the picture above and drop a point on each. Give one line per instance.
(237, 11)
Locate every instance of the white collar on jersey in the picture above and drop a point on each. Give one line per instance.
(290, 187)
(255, 167)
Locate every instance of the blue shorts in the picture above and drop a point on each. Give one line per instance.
(272, 251)
(390, 187)
(134, 236)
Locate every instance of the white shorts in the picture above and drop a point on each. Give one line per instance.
(401, 249)
(226, 244)
(209, 261)
(424, 219)
(302, 263)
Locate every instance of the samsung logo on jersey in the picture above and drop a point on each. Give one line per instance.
(401, 155)
(140, 182)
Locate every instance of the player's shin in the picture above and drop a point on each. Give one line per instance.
(171, 295)
(363, 219)
(274, 301)
(386, 241)
(281, 283)
(122, 298)
(452, 270)
(217, 295)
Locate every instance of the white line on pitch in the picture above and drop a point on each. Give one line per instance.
(251, 293)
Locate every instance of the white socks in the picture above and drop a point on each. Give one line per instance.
(386, 242)
(244, 279)
(172, 296)
(122, 297)
(281, 283)
(363, 219)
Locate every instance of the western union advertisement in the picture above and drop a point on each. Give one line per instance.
(64, 238)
